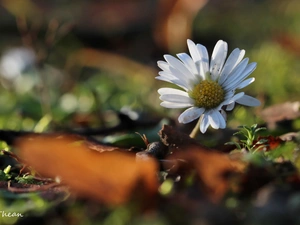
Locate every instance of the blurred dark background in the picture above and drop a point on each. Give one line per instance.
(75, 63)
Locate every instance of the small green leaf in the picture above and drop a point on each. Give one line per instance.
(238, 146)
(260, 129)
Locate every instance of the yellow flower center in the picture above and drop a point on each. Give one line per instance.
(207, 94)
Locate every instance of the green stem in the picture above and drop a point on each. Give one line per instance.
(196, 130)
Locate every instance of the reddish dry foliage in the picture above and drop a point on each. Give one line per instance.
(115, 177)
(270, 144)
(112, 177)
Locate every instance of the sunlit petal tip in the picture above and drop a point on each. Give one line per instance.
(245, 83)
(219, 42)
(161, 64)
(190, 42)
(168, 57)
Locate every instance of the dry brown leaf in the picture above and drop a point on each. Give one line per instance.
(212, 168)
(280, 112)
(112, 178)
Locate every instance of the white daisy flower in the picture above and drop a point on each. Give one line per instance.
(206, 85)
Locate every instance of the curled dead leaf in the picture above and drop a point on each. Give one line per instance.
(280, 112)
(111, 177)
(213, 169)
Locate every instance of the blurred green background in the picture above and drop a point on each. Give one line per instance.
(72, 64)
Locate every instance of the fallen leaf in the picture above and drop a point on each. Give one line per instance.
(111, 177)
(213, 168)
(290, 136)
(280, 112)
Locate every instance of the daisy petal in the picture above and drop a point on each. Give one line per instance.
(218, 58)
(238, 96)
(235, 73)
(233, 60)
(221, 120)
(188, 62)
(213, 119)
(234, 98)
(173, 81)
(204, 62)
(175, 76)
(167, 75)
(203, 53)
(223, 114)
(178, 65)
(193, 51)
(176, 98)
(245, 83)
(228, 95)
(204, 123)
(230, 106)
(236, 82)
(164, 91)
(172, 105)
(163, 65)
(248, 101)
(190, 114)
(172, 73)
